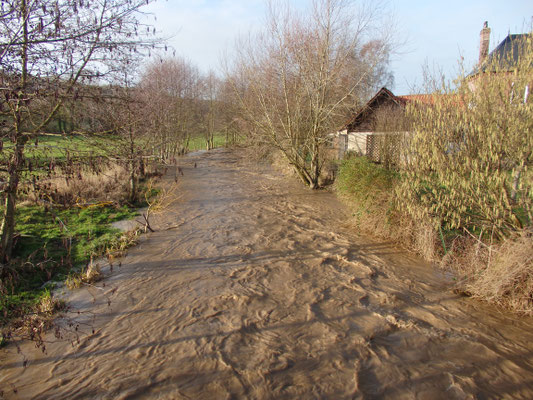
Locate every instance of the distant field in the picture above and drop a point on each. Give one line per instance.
(78, 146)
(57, 146)
(198, 143)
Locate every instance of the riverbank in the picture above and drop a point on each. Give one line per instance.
(253, 286)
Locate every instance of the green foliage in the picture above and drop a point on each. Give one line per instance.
(51, 244)
(198, 142)
(15, 305)
(366, 183)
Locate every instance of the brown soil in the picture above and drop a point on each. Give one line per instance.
(264, 292)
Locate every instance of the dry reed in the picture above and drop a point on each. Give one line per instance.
(499, 273)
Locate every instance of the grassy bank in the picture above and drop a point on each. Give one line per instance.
(63, 220)
(368, 189)
(199, 143)
(496, 270)
(53, 244)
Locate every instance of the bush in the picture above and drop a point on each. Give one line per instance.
(468, 177)
(366, 183)
(469, 156)
(367, 187)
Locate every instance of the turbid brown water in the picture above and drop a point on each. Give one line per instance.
(263, 291)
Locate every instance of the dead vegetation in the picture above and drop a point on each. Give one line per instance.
(89, 275)
(109, 184)
(159, 200)
(33, 325)
(500, 273)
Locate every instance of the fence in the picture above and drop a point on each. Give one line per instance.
(382, 147)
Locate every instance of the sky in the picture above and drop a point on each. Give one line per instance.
(433, 33)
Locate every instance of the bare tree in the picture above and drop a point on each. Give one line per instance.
(48, 49)
(171, 89)
(228, 113)
(297, 80)
(210, 108)
(126, 113)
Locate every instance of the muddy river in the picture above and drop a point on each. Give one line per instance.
(254, 287)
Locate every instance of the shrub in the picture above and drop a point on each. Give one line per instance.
(366, 183)
(368, 188)
(469, 156)
(468, 177)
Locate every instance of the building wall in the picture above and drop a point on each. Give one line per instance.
(357, 142)
(372, 145)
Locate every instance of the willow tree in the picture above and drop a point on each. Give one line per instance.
(471, 151)
(48, 50)
(298, 79)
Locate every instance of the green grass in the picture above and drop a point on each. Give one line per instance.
(198, 142)
(52, 243)
(47, 147)
(57, 146)
(364, 181)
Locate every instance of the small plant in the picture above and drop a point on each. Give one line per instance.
(48, 305)
(157, 203)
(89, 275)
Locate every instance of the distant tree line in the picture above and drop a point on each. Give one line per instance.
(78, 67)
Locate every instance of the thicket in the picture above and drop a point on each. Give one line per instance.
(464, 193)
(369, 187)
(296, 81)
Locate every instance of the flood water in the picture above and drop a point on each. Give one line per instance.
(254, 287)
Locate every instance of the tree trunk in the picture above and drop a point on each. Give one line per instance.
(8, 226)
(133, 184)
(142, 171)
(315, 166)
(303, 176)
(8, 221)
(133, 166)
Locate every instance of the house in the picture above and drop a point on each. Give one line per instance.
(505, 57)
(378, 124)
(513, 53)
(378, 129)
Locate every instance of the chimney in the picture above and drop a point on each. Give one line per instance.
(484, 38)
